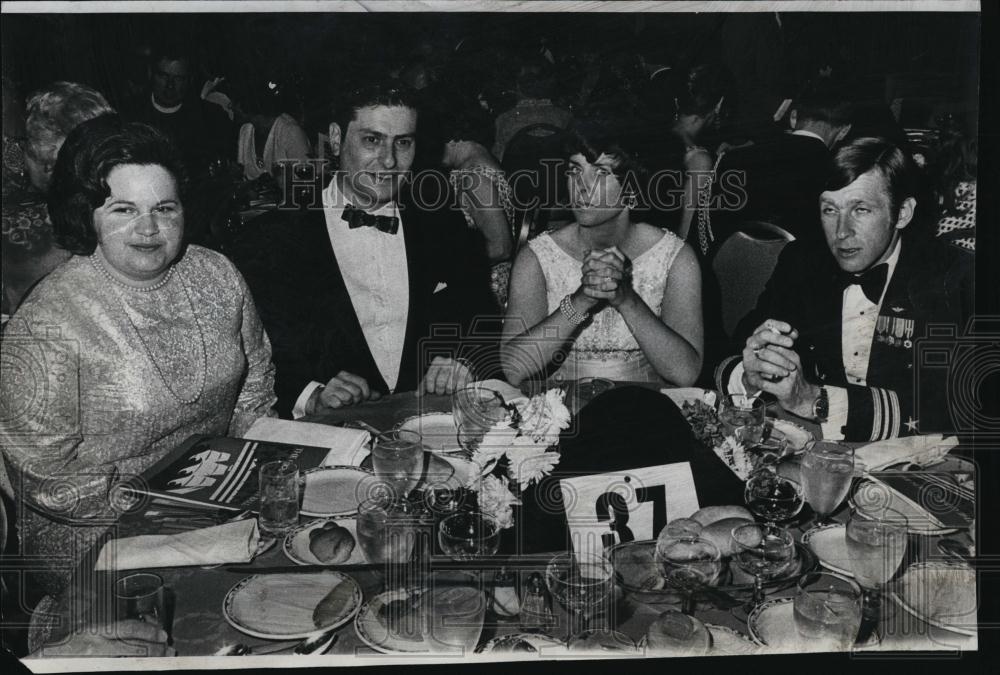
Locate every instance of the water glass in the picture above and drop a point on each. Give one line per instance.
(743, 417)
(580, 582)
(279, 497)
(827, 470)
(876, 545)
(140, 597)
(476, 407)
(387, 529)
(469, 535)
(827, 611)
(455, 618)
(398, 459)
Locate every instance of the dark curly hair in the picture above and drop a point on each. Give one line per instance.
(80, 176)
(382, 93)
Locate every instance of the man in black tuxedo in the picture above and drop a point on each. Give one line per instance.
(833, 333)
(782, 176)
(346, 287)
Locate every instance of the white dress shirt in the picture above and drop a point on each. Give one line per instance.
(859, 316)
(374, 266)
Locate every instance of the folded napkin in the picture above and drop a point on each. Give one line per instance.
(920, 450)
(347, 446)
(235, 542)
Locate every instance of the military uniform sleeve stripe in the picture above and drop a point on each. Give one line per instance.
(893, 429)
(876, 414)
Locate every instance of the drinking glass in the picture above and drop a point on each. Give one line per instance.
(476, 407)
(141, 597)
(580, 582)
(398, 459)
(689, 564)
(387, 532)
(743, 417)
(773, 497)
(827, 471)
(765, 552)
(469, 535)
(279, 497)
(876, 544)
(455, 617)
(827, 611)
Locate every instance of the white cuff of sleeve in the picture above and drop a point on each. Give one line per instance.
(833, 428)
(299, 409)
(735, 384)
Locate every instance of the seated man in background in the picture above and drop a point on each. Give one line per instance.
(832, 336)
(782, 176)
(347, 286)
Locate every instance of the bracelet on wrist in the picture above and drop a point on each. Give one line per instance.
(569, 311)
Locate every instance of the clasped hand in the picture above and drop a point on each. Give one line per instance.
(770, 364)
(606, 275)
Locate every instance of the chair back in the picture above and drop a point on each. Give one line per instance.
(535, 167)
(743, 265)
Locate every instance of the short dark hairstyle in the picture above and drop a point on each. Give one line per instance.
(384, 93)
(862, 155)
(168, 51)
(824, 104)
(80, 176)
(462, 118)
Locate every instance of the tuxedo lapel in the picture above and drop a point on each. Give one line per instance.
(416, 259)
(342, 318)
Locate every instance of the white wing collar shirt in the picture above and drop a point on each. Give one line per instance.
(374, 267)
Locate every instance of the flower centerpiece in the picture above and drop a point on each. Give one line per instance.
(518, 451)
(709, 429)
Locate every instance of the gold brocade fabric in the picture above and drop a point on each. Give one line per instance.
(606, 347)
(85, 405)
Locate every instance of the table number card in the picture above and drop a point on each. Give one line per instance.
(611, 508)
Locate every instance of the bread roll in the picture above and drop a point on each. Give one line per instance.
(333, 605)
(331, 543)
(720, 533)
(710, 514)
(678, 634)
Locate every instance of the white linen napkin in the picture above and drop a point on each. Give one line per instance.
(347, 446)
(235, 542)
(921, 450)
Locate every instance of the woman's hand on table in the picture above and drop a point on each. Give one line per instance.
(124, 638)
(343, 389)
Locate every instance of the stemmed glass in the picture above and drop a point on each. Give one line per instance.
(773, 497)
(398, 459)
(827, 611)
(580, 582)
(688, 564)
(476, 409)
(827, 471)
(469, 535)
(765, 552)
(744, 417)
(876, 544)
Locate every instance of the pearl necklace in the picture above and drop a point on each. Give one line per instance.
(115, 280)
(149, 354)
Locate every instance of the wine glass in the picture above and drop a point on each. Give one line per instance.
(827, 471)
(398, 459)
(827, 611)
(688, 564)
(387, 531)
(765, 551)
(580, 582)
(469, 535)
(773, 497)
(476, 409)
(876, 543)
(743, 417)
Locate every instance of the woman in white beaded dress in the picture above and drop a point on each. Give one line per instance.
(130, 346)
(606, 296)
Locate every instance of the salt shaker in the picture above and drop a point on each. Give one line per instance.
(536, 609)
(505, 602)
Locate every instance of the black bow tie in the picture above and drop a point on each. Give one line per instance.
(872, 281)
(357, 218)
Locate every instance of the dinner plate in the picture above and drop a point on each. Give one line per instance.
(280, 606)
(939, 594)
(918, 521)
(544, 645)
(437, 429)
(772, 625)
(296, 543)
(829, 543)
(725, 642)
(334, 491)
(373, 631)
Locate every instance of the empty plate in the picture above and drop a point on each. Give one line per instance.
(829, 543)
(941, 594)
(437, 429)
(281, 606)
(334, 491)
